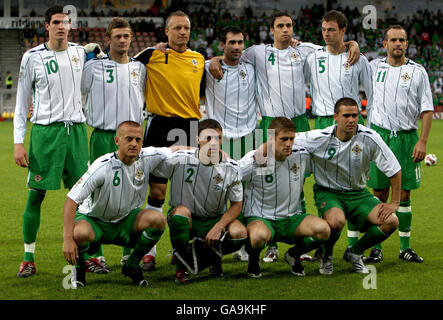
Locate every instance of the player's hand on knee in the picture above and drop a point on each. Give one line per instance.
(70, 251)
(213, 236)
(386, 210)
(20, 155)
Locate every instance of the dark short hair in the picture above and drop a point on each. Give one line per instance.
(279, 124)
(209, 124)
(279, 14)
(115, 23)
(336, 16)
(344, 102)
(231, 29)
(53, 10)
(178, 13)
(395, 26)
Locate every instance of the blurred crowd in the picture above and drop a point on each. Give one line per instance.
(424, 31)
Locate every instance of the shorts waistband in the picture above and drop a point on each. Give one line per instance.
(392, 132)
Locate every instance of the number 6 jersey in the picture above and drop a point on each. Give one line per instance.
(110, 189)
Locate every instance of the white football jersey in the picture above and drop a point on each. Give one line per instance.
(231, 100)
(344, 165)
(110, 189)
(114, 92)
(205, 190)
(331, 78)
(280, 79)
(401, 94)
(53, 78)
(275, 194)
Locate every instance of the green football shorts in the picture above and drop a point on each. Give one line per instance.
(238, 148)
(282, 230)
(355, 204)
(301, 125)
(101, 142)
(57, 152)
(120, 233)
(402, 144)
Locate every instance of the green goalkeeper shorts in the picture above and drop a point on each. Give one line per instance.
(57, 152)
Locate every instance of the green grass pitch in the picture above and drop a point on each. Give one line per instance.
(395, 279)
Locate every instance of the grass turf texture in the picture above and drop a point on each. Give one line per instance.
(396, 279)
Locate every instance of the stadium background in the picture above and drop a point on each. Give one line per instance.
(21, 28)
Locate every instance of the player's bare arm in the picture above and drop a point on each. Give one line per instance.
(386, 209)
(70, 249)
(354, 51)
(213, 236)
(419, 151)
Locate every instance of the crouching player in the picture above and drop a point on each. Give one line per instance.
(202, 182)
(111, 194)
(272, 203)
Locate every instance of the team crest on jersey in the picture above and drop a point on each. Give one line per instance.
(295, 168)
(295, 56)
(134, 74)
(139, 176)
(406, 77)
(218, 178)
(37, 178)
(356, 149)
(243, 74)
(194, 62)
(346, 65)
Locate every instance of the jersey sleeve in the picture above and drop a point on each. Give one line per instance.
(235, 189)
(424, 93)
(248, 55)
(93, 178)
(165, 168)
(247, 165)
(87, 76)
(145, 55)
(156, 155)
(307, 48)
(24, 89)
(384, 158)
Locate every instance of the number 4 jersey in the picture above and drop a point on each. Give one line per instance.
(110, 189)
(53, 78)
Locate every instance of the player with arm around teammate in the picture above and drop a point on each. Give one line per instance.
(272, 203)
(202, 183)
(111, 194)
(341, 156)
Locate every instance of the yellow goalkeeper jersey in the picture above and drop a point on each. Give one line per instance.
(174, 82)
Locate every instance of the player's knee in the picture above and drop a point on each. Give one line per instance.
(82, 234)
(391, 223)
(157, 192)
(322, 230)
(258, 239)
(181, 210)
(238, 232)
(158, 221)
(336, 223)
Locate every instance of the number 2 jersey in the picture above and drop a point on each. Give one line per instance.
(110, 189)
(53, 78)
(205, 190)
(344, 165)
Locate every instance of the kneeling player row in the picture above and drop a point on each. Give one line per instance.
(203, 182)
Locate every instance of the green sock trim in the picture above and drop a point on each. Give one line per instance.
(352, 230)
(372, 237)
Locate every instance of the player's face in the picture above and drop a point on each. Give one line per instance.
(282, 29)
(234, 46)
(59, 26)
(396, 43)
(283, 144)
(120, 40)
(209, 142)
(178, 31)
(331, 32)
(129, 140)
(347, 119)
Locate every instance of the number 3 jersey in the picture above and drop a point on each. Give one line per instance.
(205, 190)
(53, 78)
(110, 189)
(344, 165)
(273, 192)
(115, 92)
